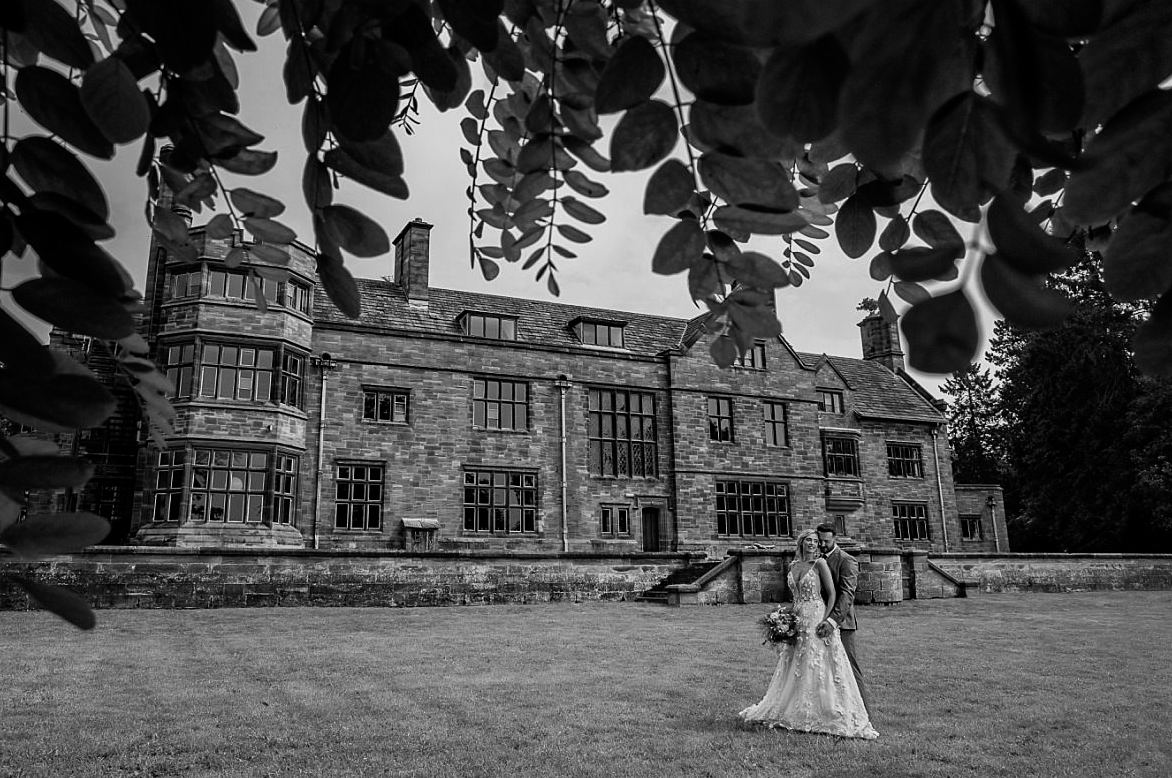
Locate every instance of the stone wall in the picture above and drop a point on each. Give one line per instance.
(982, 572)
(203, 578)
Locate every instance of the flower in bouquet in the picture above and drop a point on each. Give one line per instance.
(780, 626)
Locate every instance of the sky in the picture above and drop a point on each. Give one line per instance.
(613, 271)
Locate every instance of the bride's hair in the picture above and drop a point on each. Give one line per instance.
(806, 533)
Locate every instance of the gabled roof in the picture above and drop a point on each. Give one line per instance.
(878, 393)
(384, 306)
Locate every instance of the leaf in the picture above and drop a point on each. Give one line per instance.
(47, 166)
(68, 251)
(110, 95)
(922, 264)
(363, 91)
(506, 59)
(880, 268)
(581, 211)
(1152, 344)
(570, 232)
(55, 103)
(1135, 262)
(965, 154)
(839, 183)
(253, 203)
(716, 70)
(355, 232)
(40, 471)
(1127, 159)
(679, 248)
(766, 22)
(476, 106)
(74, 307)
(797, 94)
(54, 403)
(645, 135)
(248, 162)
(20, 351)
(735, 129)
(750, 313)
(941, 334)
(748, 181)
(911, 292)
(263, 252)
(1023, 244)
(586, 25)
(894, 235)
(1050, 182)
(474, 20)
(855, 227)
(585, 152)
(630, 78)
(268, 230)
(59, 601)
(377, 164)
(339, 285)
(488, 268)
(934, 228)
(738, 219)
(316, 185)
(184, 32)
(583, 185)
(1125, 59)
(754, 269)
(471, 130)
(55, 33)
(1023, 300)
(669, 189)
(234, 258)
(723, 350)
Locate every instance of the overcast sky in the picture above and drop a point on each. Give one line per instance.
(613, 271)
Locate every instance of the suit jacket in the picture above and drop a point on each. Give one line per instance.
(844, 571)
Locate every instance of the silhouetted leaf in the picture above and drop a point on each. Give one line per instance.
(59, 601)
(55, 103)
(55, 33)
(716, 70)
(1152, 343)
(1128, 158)
(363, 92)
(738, 219)
(452, 97)
(184, 32)
(1050, 182)
(587, 153)
(263, 252)
(966, 154)
(934, 228)
(748, 181)
(895, 234)
(757, 270)
(581, 211)
(316, 185)
(669, 189)
(354, 231)
(377, 164)
(46, 166)
(506, 59)
(766, 22)
(941, 333)
(880, 267)
(645, 135)
(54, 403)
(735, 129)
(1023, 300)
(110, 95)
(583, 185)
(749, 311)
(268, 230)
(488, 268)
(253, 203)
(1135, 263)
(68, 251)
(679, 248)
(839, 183)
(586, 25)
(570, 232)
(798, 90)
(339, 285)
(474, 20)
(630, 78)
(922, 264)
(911, 292)
(724, 351)
(1023, 244)
(235, 257)
(855, 227)
(74, 307)
(44, 471)
(20, 350)
(248, 162)
(1126, 59)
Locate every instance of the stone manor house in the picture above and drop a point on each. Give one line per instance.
(447, 420)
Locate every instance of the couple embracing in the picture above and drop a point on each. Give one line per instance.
(817, 686)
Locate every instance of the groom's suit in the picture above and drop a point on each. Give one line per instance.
(844, 571)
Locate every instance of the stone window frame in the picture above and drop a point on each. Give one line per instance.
(769, 512)
(837, 460)
(721, 419)
(286, 384)
(484, 404)
(969, 521)
(476, 324)
(178, 362)
(243, 477)
(345, 481)
(834, 398)
(753, 358)
(611, 519)
(482, 506)
(910, 522)
(771, 423)
(600, 333)
(182, 462)
(372, 400)
(291, 293)
(168, 492)
(905, 460)
(598, 440)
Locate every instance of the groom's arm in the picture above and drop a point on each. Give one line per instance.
(848, 579)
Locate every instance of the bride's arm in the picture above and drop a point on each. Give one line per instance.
(829, 595)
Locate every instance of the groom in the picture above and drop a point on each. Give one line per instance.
(844, 570)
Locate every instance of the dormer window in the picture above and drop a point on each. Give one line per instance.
(599, 333)
(830, 401)
(754, 358)
(484, 325)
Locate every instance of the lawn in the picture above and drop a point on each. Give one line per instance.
(1026, 684)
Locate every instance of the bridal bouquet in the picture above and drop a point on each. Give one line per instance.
(780, 625)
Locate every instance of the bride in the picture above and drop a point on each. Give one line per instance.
(813, 688)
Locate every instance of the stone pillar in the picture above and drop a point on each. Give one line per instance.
(880, 576)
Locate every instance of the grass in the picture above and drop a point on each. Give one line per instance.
(1013, 685)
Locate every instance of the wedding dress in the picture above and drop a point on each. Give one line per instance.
(813, 688)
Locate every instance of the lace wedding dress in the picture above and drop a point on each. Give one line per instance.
(813, 688)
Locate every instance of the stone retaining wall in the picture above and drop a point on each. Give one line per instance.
(137, 577)
(1056, 572)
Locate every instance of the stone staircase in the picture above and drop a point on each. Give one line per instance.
(684, 575)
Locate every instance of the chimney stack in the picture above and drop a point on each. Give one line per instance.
(412, 249)
(881, 342)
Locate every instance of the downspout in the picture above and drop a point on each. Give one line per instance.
(325, 364)
(940, 490)
(563, 385)
(991, 501)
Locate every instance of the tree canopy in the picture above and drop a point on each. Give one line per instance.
(1039, 128)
